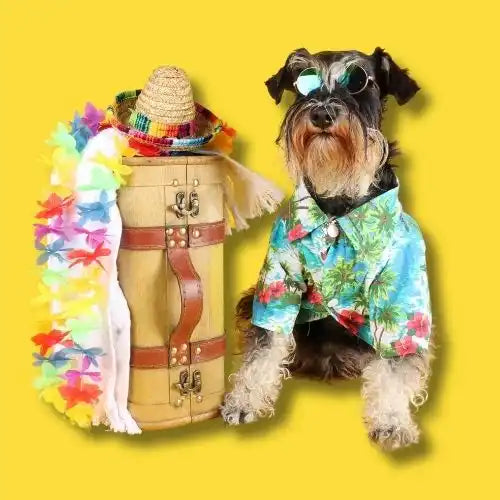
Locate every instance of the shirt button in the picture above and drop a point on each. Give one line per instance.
(332, 230)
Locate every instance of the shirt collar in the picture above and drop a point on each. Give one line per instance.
(378, 216)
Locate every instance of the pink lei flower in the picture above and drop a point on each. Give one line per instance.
(419, 323)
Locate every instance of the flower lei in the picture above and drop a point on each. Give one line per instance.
(71, 236)
(75, 240)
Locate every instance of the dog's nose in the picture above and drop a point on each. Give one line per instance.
(321, 118)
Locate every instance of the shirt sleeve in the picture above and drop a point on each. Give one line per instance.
(280, 286)
(399, 303)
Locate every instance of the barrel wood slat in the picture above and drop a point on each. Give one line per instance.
(174, 385)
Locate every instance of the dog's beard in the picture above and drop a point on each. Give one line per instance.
(342, 160)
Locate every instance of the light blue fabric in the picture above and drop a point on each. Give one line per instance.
(371, 276)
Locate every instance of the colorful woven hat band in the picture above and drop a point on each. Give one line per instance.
(186, 136)
(156, 129)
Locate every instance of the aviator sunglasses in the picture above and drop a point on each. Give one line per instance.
(354, 79)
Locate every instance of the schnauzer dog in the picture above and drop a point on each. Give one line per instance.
(343, 291)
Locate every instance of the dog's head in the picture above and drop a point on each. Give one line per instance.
(331, 133)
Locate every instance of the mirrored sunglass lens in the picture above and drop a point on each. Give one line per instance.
(308, 81)
(354, 79)
(306, 84)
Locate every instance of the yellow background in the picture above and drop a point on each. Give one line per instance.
(57, 55)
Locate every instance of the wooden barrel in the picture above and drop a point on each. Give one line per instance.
(170, 267)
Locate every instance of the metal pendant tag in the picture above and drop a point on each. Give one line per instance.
(332, 230)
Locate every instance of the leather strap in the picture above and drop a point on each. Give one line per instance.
(155, 238)
(144, 238)
(191, 295)
(149, 357)
(177, 240)
(205, 350)
(206, 234)
(158, 357)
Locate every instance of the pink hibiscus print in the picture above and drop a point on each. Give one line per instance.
(265, 296)
(277, 289)
(419, 323)
(296, 232)
(313, 296)
(405, 346)
(351, 320)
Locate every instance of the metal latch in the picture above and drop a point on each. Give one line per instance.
(185, 388)
(194, 203)
(180, 205)
(183, 384)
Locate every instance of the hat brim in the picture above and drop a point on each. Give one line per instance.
(206, 125)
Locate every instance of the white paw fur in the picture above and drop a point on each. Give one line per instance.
(258, 382)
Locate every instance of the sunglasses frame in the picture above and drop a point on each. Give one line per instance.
(369, 79)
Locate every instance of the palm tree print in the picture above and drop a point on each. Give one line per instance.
(360, 300)
(338, 279)
(382, 285)
(386, 318)
(386, 220)
(292, 283)
(353, 274)
(267, 266)
(315, 215)
(361, 214)
(297, 208)
(370, 248)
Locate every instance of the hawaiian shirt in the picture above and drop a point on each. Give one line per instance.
(367, 269)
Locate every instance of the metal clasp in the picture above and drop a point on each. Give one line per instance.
(183, 384)
(180, 205)
(185, 388)
(196, 386)
(194, 204)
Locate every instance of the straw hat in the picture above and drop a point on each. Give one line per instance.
(163, 116)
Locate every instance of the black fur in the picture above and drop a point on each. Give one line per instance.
(391, 79)
(325, 350)
(283, 79)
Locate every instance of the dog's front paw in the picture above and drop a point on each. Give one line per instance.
(393, 436)
(237, 416)
(236, 408)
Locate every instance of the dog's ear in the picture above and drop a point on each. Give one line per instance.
(283, 79)
(392, 79)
